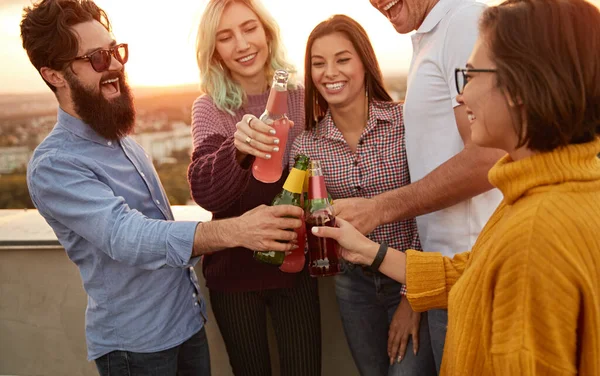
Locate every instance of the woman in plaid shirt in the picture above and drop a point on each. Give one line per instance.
(356, 130)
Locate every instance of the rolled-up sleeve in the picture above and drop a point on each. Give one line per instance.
(70, 192)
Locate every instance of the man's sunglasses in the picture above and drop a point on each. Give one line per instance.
(101, 59)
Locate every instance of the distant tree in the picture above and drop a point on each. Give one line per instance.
(181, 156)
(14, 193)
(174, 179)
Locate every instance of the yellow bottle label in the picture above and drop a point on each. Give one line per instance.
(295, 181)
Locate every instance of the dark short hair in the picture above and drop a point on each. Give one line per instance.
(315, 105)
(46, 31)
(547, 55)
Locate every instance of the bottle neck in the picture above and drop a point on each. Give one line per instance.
(277, 102)
(295, 181)
(316, 187)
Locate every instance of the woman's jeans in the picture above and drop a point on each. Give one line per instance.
(367, 304)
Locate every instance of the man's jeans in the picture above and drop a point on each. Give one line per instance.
(438, 324)
(367, 304)
(191, 358)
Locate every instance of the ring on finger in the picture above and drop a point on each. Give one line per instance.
(249, 121)
(248, 140)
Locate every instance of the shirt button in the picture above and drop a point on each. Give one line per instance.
(361, 142)
(143, 175)
(196, 303)
(356, 163)
(109, 143)
(157, 202)
(191, 268)
(358, 187)
(194, 295)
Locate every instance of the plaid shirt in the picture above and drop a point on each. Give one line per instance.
(378, 165)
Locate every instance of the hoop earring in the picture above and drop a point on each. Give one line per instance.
(315, 107)
(317, 112)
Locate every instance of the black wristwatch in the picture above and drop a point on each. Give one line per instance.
(383, 247)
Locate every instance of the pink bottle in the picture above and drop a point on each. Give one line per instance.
(275, 115)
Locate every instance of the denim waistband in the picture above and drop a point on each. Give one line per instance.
(367, 270)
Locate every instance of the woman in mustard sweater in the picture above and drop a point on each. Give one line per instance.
(526, 299)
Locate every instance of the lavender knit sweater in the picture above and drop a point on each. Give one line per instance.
(219, 184)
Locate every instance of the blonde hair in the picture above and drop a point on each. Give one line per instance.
(215, 80)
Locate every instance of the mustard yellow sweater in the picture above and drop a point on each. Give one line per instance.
(526, 299)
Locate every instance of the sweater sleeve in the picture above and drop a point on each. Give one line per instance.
(216, 179)
(430, 276)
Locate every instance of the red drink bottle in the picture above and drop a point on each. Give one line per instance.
(323, 257)
(275, 115)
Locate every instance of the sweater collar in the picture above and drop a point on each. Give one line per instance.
(577, 162)
(258, 100)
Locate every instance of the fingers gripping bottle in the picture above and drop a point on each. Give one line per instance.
(275, 115)
(290, 195)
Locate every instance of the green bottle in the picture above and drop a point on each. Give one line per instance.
(290, 195)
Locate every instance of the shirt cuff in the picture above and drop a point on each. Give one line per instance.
(180, 243)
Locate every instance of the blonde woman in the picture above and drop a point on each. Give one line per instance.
(238, 49)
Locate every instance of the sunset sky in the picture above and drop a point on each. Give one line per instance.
(161, 38)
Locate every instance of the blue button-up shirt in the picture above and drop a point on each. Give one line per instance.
(104, 201)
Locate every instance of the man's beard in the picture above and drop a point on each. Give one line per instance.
(111, 119)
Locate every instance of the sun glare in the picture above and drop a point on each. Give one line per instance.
(162, 38)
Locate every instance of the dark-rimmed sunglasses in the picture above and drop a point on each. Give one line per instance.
(461, 76)
(101, 59)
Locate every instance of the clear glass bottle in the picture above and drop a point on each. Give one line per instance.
(275, 115)
(323, 258)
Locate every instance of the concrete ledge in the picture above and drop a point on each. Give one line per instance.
(42, 306)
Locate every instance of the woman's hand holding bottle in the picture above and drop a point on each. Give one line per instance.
(354, 246)
(253, 137)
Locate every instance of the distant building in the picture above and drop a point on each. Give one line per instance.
(161, 145)
(13, 158)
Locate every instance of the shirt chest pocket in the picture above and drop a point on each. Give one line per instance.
(385, 166)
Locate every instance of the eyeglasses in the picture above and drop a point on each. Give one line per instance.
(461, 76)
(101, 59)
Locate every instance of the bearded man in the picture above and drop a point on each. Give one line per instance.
(99, 192)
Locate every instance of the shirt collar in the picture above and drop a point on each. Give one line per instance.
(81, 129)
(378, 112)
(436, 15)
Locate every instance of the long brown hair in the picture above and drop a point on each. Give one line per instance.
(46, 31)
(315, 106)
(547, 55)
